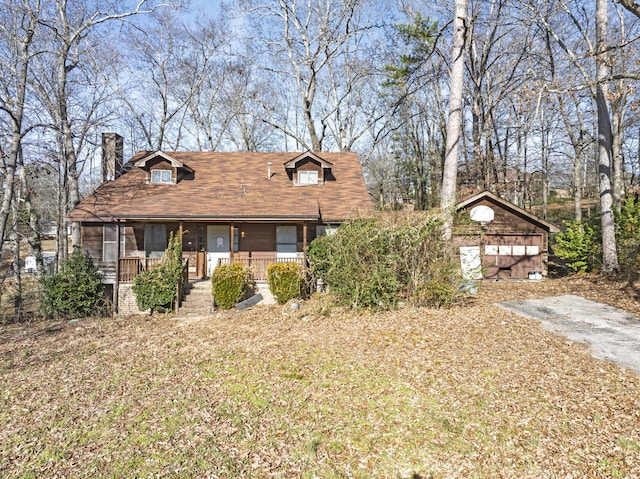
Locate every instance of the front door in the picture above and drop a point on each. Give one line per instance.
(218, 247)
(201, 252)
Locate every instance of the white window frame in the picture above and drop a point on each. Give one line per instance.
(155, 240)
(162, 177)
(109, 250)
(308, 177)
(325, 230)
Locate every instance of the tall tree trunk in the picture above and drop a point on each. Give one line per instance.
(605, 142)
(618, 109)
(454, 122)
(16, 113)
(66, 134)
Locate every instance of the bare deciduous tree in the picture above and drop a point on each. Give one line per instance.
(454, 120)
(318, 50)
(19, 24)
(605, 141)
(73, 34)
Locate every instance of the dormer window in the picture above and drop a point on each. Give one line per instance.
(309, 169)
(162, 169)
(161, 176)
(307, 177)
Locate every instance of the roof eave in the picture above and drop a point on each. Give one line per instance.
(198, 218)
(487, 194)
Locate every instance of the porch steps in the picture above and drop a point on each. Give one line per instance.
(263, 288)
(198, 300)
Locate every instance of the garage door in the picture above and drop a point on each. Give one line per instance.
(511, 256)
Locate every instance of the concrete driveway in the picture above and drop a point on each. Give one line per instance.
(613, 334)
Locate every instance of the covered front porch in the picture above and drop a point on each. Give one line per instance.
(129, 268)
(208, 245)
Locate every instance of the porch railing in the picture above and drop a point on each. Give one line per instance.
(259, 265)
(131, 267)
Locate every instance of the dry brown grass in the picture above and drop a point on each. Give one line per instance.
(473, 391)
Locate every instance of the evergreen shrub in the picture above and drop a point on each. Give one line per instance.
(285, 281)
(355, 263)
(155, 289)
(76, 291)
(628, 235)
(230, 284)
(576, 246)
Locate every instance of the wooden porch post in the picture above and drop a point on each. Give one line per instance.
(304, 246)
(180, 231)
(116, 286)
(232, 242)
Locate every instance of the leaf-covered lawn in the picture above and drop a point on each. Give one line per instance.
(473, 391)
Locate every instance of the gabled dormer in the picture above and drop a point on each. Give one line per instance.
(309, 169)
(162, 169)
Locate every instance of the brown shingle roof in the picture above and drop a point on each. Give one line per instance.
(230, 186)
(465, 203)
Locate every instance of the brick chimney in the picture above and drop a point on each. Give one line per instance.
(112, 156)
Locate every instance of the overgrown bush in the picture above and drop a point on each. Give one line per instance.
(438, 292)
(285, 281)
(155, 289)
(230, 284)
(355, 263)
(424, 262)
(628, 235)
(371, 264)
(76, 291)
(576, 246)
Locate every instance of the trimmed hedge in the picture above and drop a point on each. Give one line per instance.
(230, 284)
(285, 281)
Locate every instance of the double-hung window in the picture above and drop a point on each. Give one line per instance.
(161, 176)
(307, 177)
(286, 239)
(109, 243)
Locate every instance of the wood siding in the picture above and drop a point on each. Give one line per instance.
(257, 237)
(259, 241)
(520, 245)
(311, 165)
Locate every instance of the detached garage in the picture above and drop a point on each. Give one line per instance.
(499, 240)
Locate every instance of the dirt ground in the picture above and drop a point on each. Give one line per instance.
(471, 391)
